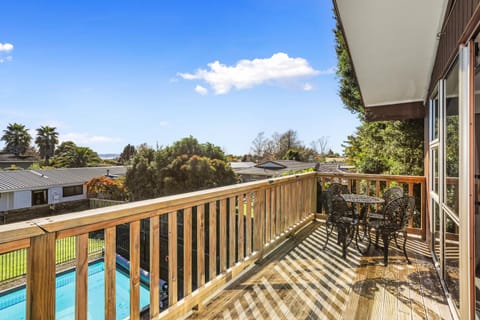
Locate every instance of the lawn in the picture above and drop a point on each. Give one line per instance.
(14, 264)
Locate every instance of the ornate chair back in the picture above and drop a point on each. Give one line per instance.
(337, 188)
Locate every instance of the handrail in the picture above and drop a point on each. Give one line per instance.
(251, 219)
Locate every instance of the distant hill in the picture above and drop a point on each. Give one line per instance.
(106, 156)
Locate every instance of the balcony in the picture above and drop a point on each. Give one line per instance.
(262, 238)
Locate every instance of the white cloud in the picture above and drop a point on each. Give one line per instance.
(6, 47)
(85, 138)
(248, 73)
(201, 90)
(6, 59)
(330, 70)
(307, 87)
(163, 123)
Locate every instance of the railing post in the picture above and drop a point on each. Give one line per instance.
(41, 277)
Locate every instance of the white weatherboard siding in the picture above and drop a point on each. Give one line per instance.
(6, 201)
(22, 199)
(55, 195)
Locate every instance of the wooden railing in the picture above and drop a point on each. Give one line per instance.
(212, 236)
(375, 185)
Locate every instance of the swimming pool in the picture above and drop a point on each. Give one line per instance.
(12, 303)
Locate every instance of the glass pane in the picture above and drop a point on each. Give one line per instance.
(477, 182)
(451, 140)
(434, 109)
(436, 229)
(452, 256)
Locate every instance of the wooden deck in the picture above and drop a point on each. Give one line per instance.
(299, 280)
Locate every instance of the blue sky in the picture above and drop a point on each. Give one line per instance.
(109, 73)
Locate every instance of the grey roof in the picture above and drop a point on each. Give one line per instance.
(35, 179)
(291, 165)
(237, 165)
(283, 165)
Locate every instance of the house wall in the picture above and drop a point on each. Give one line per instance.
(22, 199)
(6, 201)
(459, 23)
(70, 198)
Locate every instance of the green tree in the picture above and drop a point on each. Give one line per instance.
(73, 156)
(393, 147)
(17, 139)
(46, 140)
(186, 165)
(127, 154)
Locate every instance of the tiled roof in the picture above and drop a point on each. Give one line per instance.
(35, 179)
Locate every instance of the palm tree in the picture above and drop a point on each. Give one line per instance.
(17, 138)
(76, 157)
(47, 139)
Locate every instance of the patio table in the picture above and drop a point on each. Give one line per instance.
(364, 201)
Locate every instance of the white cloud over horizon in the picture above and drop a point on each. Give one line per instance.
(163, 123)
(248, 73)
(307, 87)
(85, 138)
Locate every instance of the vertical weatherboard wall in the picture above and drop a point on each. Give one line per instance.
(459, 22)
(22, 199)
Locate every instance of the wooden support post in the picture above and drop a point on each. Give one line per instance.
(110, 269)
(135, 270)
(41, 277)
(81, 277)
(154, 266)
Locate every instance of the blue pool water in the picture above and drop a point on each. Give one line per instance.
(12, 304)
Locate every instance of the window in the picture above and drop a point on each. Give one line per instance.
(451, 143)
(434, 109)
(73, 190)
(39, 197)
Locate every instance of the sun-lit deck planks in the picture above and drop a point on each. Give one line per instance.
(301, 281)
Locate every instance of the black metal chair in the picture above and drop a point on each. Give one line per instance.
(336, 188)
(396, 215)
(366, 217)
(340, 217)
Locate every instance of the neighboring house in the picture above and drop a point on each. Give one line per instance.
(420, 60)
(240, 165)
(28, 188)
(277, 168)
(7, 160)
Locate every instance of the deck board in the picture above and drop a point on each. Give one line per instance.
(299, 280)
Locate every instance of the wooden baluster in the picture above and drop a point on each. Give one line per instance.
(187, 251)
(81, 277)
(172, 258)
(212, 240)
(248, 236)
(135, 270)
(278, 210)
(41, 277)
(223, 235)
(273, 222)
(268, 216)
(154, 266)
(110, 269)
(241, 229)
(232, 231)
(200, 245)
